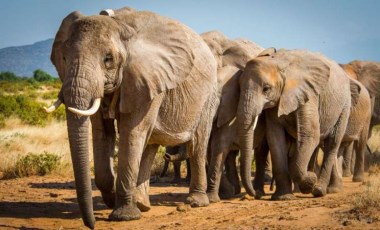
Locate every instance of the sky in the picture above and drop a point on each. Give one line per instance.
(343, 30)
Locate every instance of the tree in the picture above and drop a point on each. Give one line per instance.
(8, 76)
(40, 75)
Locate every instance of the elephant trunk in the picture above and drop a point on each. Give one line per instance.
(247, 119)
(78, 94)
(78, 128)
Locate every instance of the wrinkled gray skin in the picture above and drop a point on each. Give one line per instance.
(175, 155)
(367, 73)
(161, 70)
(231, 56)
(292, 89)
(355, 137)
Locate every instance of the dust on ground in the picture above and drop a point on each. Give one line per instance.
(50, 203)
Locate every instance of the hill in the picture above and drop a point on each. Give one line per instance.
(23, 60)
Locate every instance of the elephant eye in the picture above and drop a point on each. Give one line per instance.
(266, 89)
(108, 60)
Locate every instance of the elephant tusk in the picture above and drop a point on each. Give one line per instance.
(88, 112)
(255, 123)
(53, 107)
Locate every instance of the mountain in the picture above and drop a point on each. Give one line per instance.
(23, 60)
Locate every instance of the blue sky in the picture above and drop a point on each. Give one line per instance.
(343, 30)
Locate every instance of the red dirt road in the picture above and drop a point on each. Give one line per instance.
(50, 203)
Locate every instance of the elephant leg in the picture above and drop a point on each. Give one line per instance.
(330, 148)
(220, 144)
(177, 172)
(336, 183)
(215, 171)
(188, 173)
(360, 149)
(308, 138)
(135, 130)
(142, 192)
(261, 157)
(165, 168)
(231, 171)
(198, 154)
(312, 166)
(226, 189)
(278, 148)
(347, 158)
(104, 136)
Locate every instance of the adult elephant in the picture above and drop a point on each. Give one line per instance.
(160, 69)
(293, 89)
(355, 137)
(367, 73)
(231, 56)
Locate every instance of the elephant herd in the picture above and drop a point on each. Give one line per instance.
(157, 82)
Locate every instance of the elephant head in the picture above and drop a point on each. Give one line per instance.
(140, 53)
(367, 73)
(283, 79)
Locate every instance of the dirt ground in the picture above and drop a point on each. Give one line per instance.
(50, 203)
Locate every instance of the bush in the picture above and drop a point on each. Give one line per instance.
(41, 76)
(8, 76)
(33, 164)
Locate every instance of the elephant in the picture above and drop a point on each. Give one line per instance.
(367, 73)
(305, 98)
(144, 71)
(176, 155)
(355, 137)
(231, 56)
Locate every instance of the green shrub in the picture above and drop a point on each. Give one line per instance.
(8, 76)
(8, 106)
(41, 76)
(33, 164)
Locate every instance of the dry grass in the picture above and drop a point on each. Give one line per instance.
(17, 140)
(370, 198)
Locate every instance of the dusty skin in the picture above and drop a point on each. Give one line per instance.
(50, 203)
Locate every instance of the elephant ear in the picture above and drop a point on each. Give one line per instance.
(62, 35)
(160, 56)
(368, 74)
(228, 79)
(267, 52)
(355, 88)
(305, 75)
(235, 56)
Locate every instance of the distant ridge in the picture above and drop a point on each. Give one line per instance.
(23, 60)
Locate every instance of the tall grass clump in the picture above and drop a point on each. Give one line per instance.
(370, 197)
(33, 164)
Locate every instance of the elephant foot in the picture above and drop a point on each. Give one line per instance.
(319, 191)
(226, 192)
(259, 193)
(109, 198)
(213, 197)
(125, 213)
(288, 196)
(357, 178)
(296, 188)
(346, 173)
(197, 200)
(306, 185)
(142, 199)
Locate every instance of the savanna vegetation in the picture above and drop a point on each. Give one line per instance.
(33, 142)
